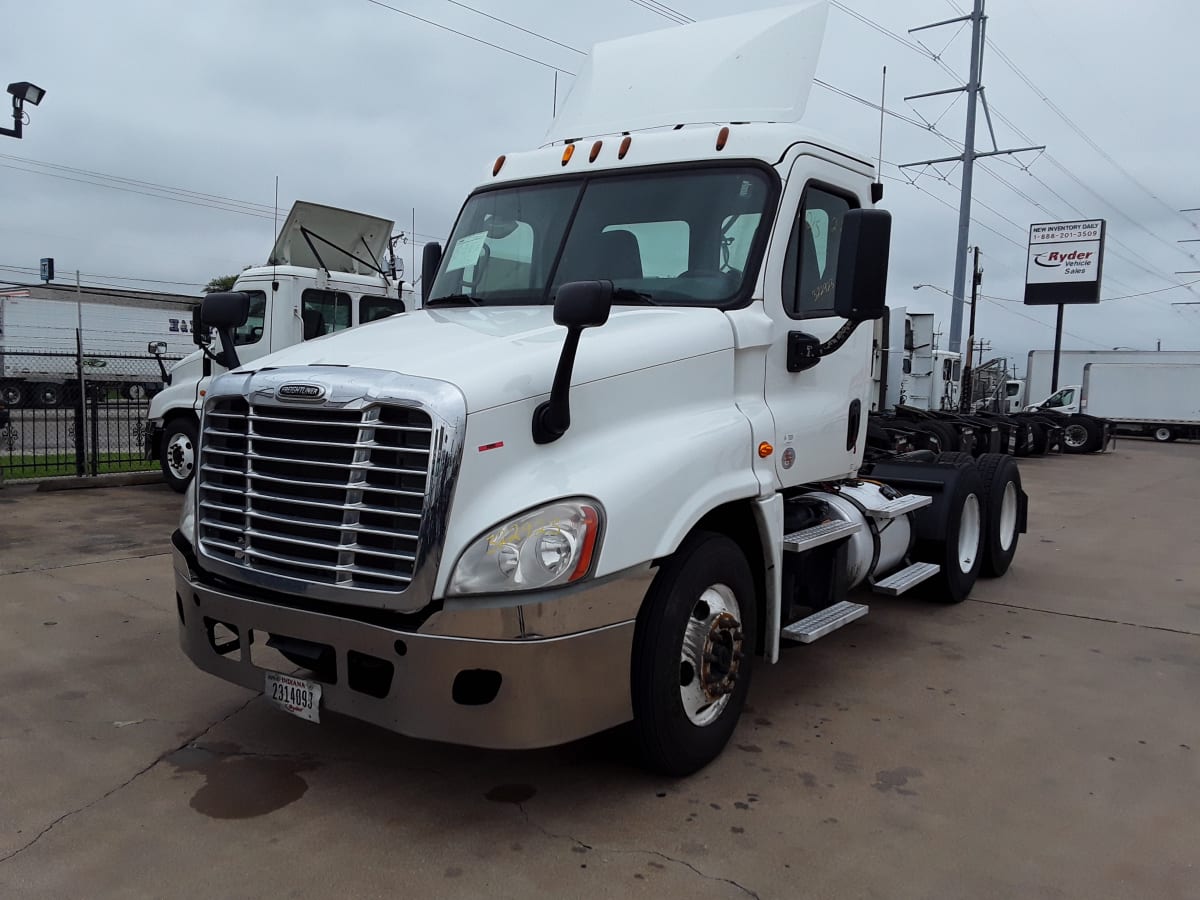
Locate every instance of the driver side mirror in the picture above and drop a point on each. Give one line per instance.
(156, 348)
(861, 291)
(431, 258)
(225, 309)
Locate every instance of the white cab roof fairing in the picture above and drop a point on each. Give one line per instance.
(751, 67)
(352, 231)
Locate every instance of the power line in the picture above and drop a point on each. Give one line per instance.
(197, 195)
(471, 37)
(536, 34)
(663, 10)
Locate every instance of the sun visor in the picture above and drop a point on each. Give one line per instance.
(330, 228)
(751, 67)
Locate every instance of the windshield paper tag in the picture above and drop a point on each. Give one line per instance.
(466, 251)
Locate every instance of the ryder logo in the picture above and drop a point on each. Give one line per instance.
(1055, 258)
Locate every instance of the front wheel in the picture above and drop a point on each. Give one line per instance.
(693, 650)
(178, 458)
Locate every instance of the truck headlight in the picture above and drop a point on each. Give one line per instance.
(552, 545)
(187, 518)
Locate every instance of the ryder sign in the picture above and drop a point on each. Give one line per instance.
(1065, 261)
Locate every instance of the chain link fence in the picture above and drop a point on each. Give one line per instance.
(80, 413)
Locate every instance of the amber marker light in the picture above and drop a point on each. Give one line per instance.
(568, 152)
(765, 449)
(625, 142)
(595, 151)
(498, 166)
(589, 543)
(722, 137)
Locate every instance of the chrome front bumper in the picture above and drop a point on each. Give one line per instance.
(552, 689)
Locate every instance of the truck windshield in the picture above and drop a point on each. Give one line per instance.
(683, 237)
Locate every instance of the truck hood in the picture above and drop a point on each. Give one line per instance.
(498, 355)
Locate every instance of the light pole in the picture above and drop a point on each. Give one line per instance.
(21, 91)
(964, 391)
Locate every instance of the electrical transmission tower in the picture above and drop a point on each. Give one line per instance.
(974, 91)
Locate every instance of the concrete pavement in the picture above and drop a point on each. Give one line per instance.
(1041, 740)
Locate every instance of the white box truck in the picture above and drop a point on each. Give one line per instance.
(616, 459)
(325, 274)
(1040, 367)
(1162, 402)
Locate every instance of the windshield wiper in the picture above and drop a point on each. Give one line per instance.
(630, 295)
(454, 298)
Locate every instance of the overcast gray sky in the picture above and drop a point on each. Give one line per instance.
(355, 105)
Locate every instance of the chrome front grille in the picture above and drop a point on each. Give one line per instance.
(324, 496)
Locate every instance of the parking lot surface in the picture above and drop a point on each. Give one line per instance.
(1041, 740)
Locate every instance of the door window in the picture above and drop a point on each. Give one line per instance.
(252, 331)
(372, 308)
(810, 266)
(324, 312)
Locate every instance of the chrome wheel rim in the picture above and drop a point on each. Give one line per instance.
(1008, 516)
(181, 456)
(968, 534)
(710, 655)
(1075, 435)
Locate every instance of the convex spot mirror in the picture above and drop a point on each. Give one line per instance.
(225, 309)
(861, 291)
(583, 304)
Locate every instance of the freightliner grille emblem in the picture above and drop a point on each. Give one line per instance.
(309, 393)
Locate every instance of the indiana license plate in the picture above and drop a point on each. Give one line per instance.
(295, 695)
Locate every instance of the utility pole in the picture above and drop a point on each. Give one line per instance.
(974, 91)
(964, 394)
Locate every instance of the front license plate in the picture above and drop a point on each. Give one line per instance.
(295, 695)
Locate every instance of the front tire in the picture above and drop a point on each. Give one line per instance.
(179, 452)
(693, 651)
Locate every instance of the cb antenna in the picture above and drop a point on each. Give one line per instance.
(877, 187)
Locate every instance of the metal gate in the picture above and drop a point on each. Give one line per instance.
(75, 413)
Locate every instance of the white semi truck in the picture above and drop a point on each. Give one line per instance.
(325, 274)
(1159, 401)
(617, 457)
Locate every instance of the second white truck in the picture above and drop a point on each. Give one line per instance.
(325, 274)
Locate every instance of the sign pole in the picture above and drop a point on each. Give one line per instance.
(1057, 350)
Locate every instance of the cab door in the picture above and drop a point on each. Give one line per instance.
(820, 412)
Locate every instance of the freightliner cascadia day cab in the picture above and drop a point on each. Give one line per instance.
(326, 273)
(615, 460)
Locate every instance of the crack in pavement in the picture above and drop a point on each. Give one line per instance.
(1054, 612)
(87, 562)
(128, 781)
(682, 862)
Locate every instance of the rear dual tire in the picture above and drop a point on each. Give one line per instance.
(959, 552)
(1000, 500)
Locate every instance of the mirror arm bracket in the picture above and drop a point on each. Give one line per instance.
(552, 418)
(228, 350)
(839, 338)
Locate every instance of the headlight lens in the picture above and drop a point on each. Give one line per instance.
(187, 518)
(555, 544)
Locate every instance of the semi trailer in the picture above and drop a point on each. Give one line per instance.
(325, 274)
(39, 358)
(618, 459)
